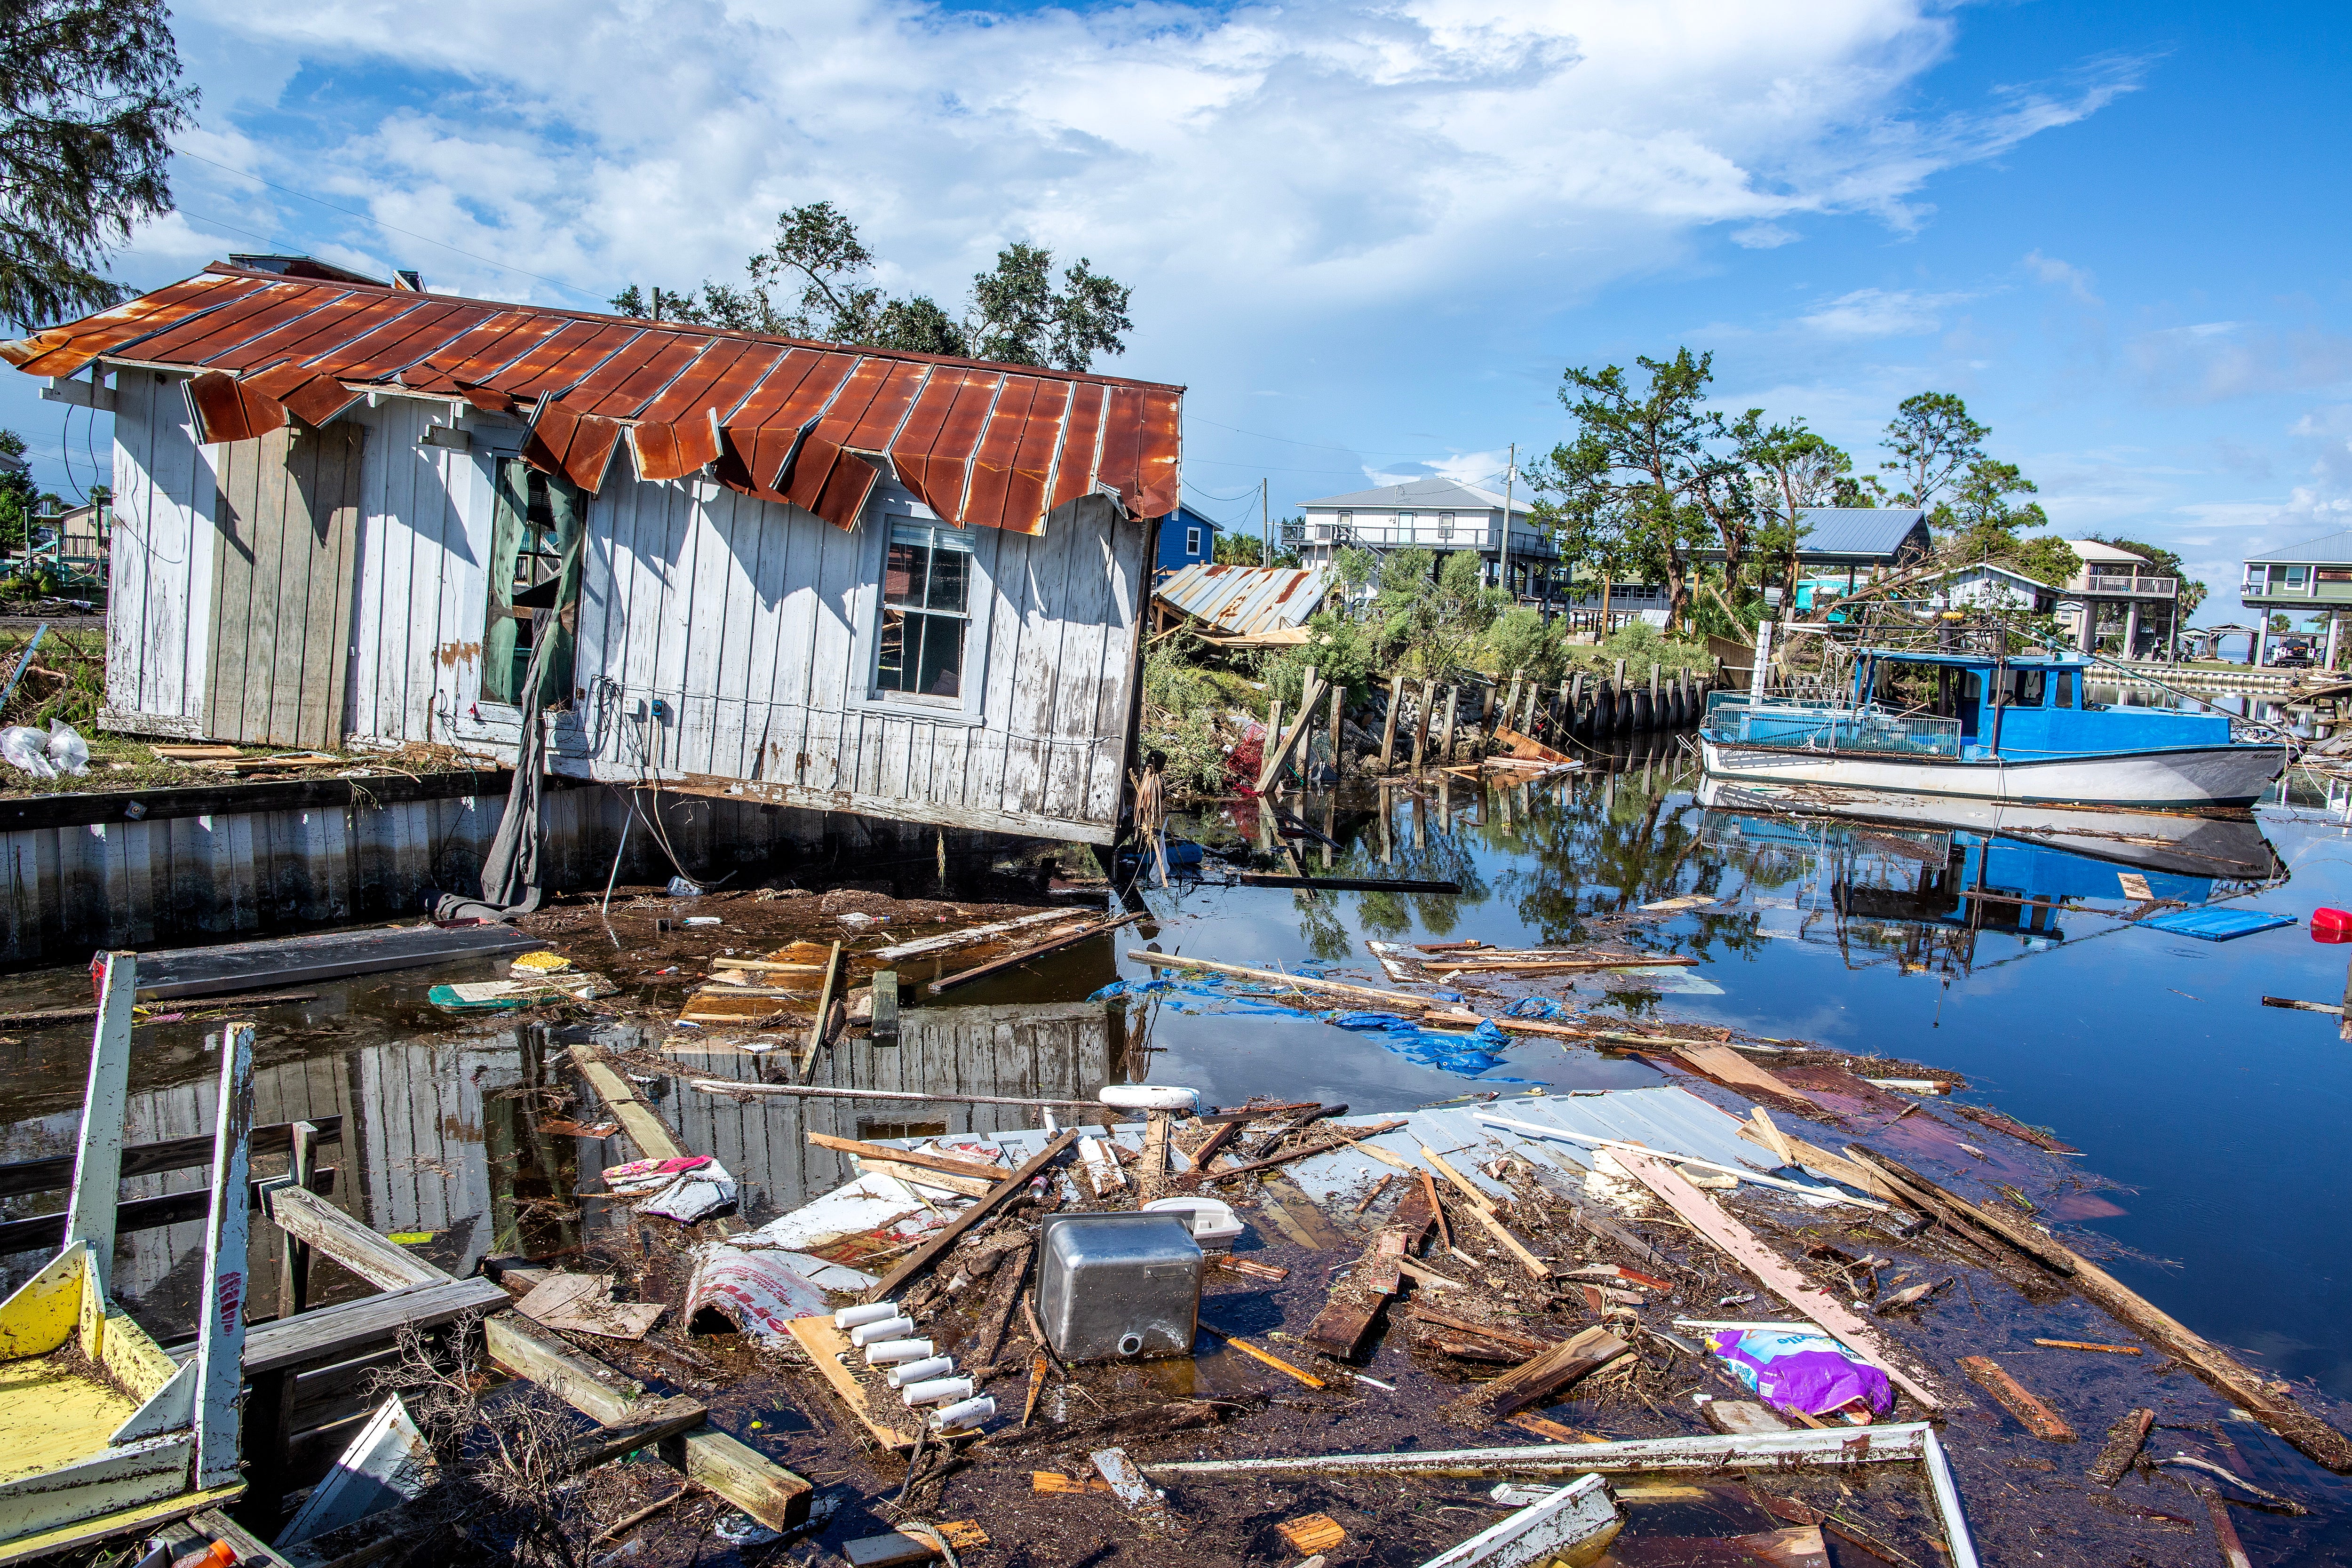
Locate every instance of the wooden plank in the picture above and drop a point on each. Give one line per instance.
(1053, 943)
(327, 1230)
(97, 1163)
(527, 1351)
(924, 947)
(883, 1027)
(1389, 999)
(820, 1026)
(776, 1497)
(825, 1346)
(2022, 1403)
(1741, 1244)
(1970, 1220)
(923, 1257)
(1300, 1210)
(1537, 1380)
(940, 1162)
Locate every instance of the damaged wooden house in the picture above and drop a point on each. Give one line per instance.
(780, 573)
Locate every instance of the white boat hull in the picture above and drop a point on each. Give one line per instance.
(2190, 777)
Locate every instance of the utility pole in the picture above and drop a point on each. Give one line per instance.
(1511, 472)
(1265, 533)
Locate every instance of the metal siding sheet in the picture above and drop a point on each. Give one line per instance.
(987, 446)
(1246, 601)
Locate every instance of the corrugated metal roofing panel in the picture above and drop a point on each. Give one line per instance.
(1858, 531)
(1002, 447)
(1246, 601)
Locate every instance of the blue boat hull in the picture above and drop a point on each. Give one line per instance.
(2188, 777)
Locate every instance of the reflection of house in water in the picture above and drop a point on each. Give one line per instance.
(1917, 881)
(442, 1137)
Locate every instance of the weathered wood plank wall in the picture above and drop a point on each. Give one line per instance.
(753, 625)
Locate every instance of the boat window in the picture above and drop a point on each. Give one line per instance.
(1971, 697)
(2063, 689)
(2025, 687)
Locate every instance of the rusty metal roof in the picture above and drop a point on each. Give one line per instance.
(1246, 601)
(993, 446)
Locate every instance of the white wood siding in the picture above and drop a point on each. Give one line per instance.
(753, 624)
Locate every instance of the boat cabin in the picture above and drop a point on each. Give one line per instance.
(2023, 707)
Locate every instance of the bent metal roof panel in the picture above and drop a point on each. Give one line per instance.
(993, 446)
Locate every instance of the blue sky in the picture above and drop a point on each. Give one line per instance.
(1369, 239)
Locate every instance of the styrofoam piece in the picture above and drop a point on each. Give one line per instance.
(1148, 1097)
(937, 1391)
(890, 1352)
(891, 1327)
(968, 1413)
(922, 1370)
(1214, 1224)
(857, 1317)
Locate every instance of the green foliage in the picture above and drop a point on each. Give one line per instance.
(1233, 548)
(89, 97)
(1016, 315)
(1789, 469)
(1520, 640)
(1642, 645)
(19, 504)
(1180, 706)
(1981, 524)
(1354, 567)
(1649, 477)
(1935, 443)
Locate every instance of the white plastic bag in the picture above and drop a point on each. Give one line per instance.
(27, 751)
(68, 753)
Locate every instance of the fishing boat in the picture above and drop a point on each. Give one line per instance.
(2016, 729)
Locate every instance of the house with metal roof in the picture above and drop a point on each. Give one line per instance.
(2116, 596)
(793, 573)
(2313, 578)
(1433, 514)
(1856, 540)
(1186, 539)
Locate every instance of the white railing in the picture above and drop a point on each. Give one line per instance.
(2126, 583)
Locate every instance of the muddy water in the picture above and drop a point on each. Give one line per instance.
(2002, 958)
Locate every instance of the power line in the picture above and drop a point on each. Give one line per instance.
(1287, 441)
(1207, 495)
(371, 217)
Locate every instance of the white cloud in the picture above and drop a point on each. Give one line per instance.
(1258, 164)
(2064, 275)
(1880, 313)
(1484, 469)
(2212, 362)
(1764, 237)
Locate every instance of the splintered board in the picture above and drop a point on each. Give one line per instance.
(826, 1345)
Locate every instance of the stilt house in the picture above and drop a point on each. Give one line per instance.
(796, 574)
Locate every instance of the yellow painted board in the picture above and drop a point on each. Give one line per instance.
(44, 1309)
(121, 1521)
(51, 1414)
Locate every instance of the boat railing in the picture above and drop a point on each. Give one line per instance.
(1737, 720)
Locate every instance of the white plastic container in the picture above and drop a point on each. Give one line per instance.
(937, 1391)
(1214, 1225)
(889, 1353)
(850, 1318)
(891, 1327)
(922, 1371)
(969, 1412)
(1148, 1097)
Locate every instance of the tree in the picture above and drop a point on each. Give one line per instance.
(19, 503)
(1984, 526)
(1789, 469)
(1016, 315)
(1234, 548)
(89, 96)
(1639, 477)
(1934, 442)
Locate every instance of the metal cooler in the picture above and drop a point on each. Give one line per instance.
(1118, 1284)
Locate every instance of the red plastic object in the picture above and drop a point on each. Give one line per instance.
(2331, 925)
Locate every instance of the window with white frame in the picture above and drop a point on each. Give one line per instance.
(1192, 542)
(1444, 525)
(2294, 579)
(924, 634)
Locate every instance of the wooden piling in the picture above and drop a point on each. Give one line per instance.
(1421, 721)
(1389, 726)
(1452, 701)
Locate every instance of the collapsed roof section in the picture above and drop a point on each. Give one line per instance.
(982, 444)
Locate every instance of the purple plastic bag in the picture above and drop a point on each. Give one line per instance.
(1811, 1381)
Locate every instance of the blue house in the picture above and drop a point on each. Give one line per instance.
(1186, 539)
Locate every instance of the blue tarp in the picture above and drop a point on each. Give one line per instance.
(1471, 1055)
(2218, 924)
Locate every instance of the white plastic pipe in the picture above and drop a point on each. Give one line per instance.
(970, 1412)
(922, 1371)
(887, 1352)
(937, 1391)
(850, 1318)
(891, 1327)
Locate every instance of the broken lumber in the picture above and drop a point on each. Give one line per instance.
(1054, 943)
(1557, 1367)
(1351, 1136)
(2221, 1370)
(1741, 1244)
(923, 1257)
(939, 1163)
(2020, 1401)
(1354, 1307)
(970, 936)
(1483, 1208)
(2123, 1441)
(1286, 982)
(1962, 1214)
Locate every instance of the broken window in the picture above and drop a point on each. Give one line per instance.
(926, 611)
(536, 527)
